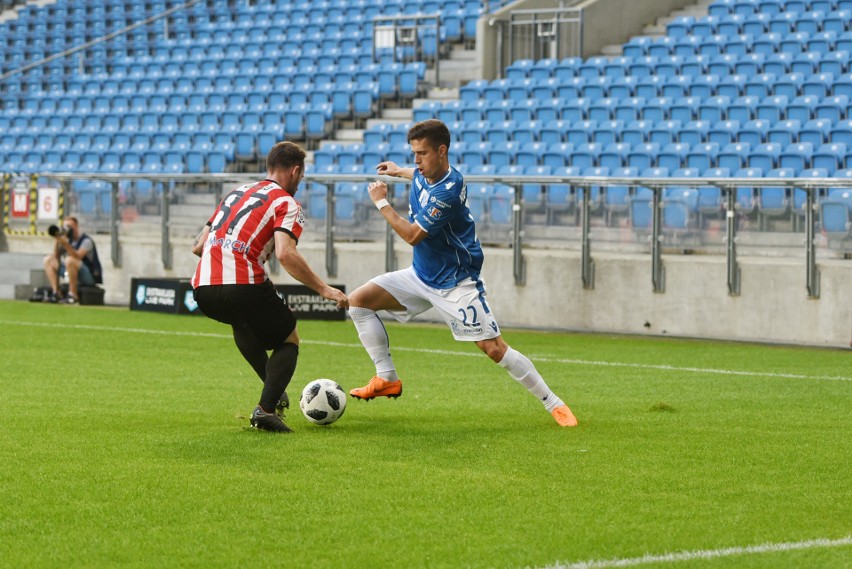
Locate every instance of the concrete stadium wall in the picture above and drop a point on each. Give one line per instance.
(773, 307)
(605, 22)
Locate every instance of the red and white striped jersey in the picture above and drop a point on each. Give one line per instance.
(242, 232)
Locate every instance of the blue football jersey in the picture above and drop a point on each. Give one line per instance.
(451, 253)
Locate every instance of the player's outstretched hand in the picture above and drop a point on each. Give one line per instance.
(388, 168)
(337, 295)
(378, 191)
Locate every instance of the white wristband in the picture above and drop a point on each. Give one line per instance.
(382, 203)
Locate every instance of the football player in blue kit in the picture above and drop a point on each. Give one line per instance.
(445, 272)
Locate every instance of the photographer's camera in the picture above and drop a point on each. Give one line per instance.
(55, 230)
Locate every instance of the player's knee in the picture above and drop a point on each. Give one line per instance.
(494, 349)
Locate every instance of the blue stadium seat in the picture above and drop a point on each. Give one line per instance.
(830, 157)
(724, 132)
(774, 201)
(557, 154)
(637, 131)
(765, 156)
(784, 132)
(665, 131)
(585, 155)
(833, 108)
(796, 157)
(616, 198)
(746, 195)
(815, 131)
(643, 156)
(732, 156)
(836, 215)
(673, 156)
(694, 132)
(614, 155)
(709, 202)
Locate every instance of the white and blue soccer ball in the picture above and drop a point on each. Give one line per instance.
(323, 401)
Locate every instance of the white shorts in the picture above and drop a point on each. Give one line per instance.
(463, 308)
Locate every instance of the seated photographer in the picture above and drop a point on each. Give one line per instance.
(75, 253)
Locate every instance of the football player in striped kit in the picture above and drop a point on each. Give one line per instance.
(231, 285)
(445, 273)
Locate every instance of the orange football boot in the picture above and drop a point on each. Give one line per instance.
(564, 416)
(378, 387)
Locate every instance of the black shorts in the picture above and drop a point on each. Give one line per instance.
(257, 306)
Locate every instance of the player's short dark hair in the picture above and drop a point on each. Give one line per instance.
(435, 132)
(285, 155)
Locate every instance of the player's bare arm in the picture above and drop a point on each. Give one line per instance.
(391, 169)
(198, 244)
(296, 265)
(411, 233)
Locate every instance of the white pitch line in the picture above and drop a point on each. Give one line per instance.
(705, 554)
(476, 354)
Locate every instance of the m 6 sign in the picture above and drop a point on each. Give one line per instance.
(48, 204)
(20, 202)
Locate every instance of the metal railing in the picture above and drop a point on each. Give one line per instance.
(582, 185)
(405, 38)
(539, 34)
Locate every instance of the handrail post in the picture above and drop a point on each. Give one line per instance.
(390, 256)
(115, 244)
(4, 195)
(731, 240)
(588, 265)
(658, 271)
(165, 239)
(330, 253)
(810, 246)
(518, 264)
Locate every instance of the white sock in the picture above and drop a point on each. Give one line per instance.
(523, 370)
(374, 337)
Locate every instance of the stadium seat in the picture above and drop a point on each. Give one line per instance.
(673, 156)
(784, 132)
(732, 156)
(665, 132)
(830, 157)
(616, 198)
(746, 195)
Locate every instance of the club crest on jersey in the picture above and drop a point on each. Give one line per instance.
(434, 212)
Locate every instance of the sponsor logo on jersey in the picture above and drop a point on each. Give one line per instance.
(450, 185)
(434, 212)
(233, 245)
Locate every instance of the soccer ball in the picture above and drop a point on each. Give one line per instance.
(323, 401)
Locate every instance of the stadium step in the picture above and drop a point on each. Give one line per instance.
(22, 270)
(697, 10)
(461, 66)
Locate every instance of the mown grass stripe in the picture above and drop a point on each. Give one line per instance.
(536, 357)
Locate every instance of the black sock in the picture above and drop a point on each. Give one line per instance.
(279, 372)
(251, 350)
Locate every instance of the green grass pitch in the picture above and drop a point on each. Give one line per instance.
(124, 441)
